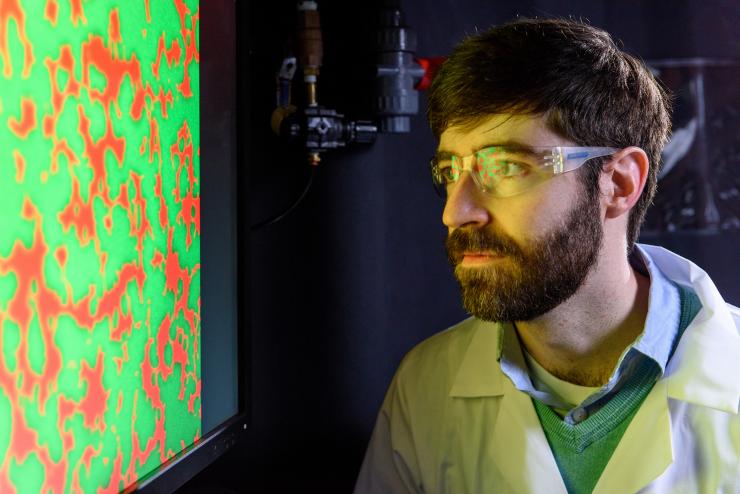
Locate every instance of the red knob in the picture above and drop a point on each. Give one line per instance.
(430, 65)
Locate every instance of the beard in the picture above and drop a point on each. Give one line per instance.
(527, 282)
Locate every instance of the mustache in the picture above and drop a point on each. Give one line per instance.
(466, 240)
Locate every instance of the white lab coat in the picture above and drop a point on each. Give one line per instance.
(452, 422)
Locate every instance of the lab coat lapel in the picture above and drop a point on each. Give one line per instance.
(645, 450)
(705, 367)
(521, 451)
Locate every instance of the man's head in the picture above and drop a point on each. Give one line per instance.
(520, 256)
(570, 73)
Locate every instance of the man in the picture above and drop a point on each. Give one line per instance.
(591, 363)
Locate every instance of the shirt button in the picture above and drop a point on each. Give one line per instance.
(579, 415)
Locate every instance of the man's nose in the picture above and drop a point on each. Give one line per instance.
(465, 204)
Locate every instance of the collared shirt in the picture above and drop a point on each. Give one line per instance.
(655, 343)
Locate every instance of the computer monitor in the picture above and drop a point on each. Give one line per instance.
(122, 343)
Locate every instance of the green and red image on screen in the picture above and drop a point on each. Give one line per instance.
(100, 379)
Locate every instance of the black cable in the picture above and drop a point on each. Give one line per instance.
(275, 219)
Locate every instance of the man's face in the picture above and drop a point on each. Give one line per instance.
(519, 257)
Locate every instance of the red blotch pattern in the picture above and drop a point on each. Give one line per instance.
(51, 11)
(77, 14)
(20, 166)
(23, 126)
(11, 10)
(93, 405)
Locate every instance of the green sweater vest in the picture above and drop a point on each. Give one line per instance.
(582, 450)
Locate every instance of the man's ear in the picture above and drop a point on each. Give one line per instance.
(623, 180)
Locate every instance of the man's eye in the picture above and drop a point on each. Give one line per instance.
(500, 169)
(513, 169)
(449, 171)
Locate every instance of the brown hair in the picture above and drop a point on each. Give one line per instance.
(590, 91)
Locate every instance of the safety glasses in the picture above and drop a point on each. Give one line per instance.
(505, 171)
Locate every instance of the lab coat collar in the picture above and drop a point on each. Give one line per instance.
(479, 373)
(704, 367)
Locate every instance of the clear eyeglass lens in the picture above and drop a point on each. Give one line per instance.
(500, 171)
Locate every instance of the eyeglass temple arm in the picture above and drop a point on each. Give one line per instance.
(565, 159)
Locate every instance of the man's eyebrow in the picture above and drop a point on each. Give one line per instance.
(441, 154)
(511, 145)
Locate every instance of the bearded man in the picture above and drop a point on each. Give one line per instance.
(591, 363)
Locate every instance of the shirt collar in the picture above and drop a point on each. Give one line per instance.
(664, 312)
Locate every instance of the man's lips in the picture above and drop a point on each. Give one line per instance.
(478, 257)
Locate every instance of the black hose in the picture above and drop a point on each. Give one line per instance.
(275, 219)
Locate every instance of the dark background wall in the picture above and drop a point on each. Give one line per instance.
(343, 287)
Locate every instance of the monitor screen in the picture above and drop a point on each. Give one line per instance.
(118, 284)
